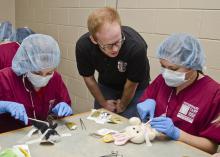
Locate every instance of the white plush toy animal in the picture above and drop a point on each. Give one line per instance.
(136, 133)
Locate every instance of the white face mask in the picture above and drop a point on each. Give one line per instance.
(173, 78)
(37, 80)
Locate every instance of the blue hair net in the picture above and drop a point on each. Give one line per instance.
(5, 31)
(36, 52)
(20, 34)
(184, 50)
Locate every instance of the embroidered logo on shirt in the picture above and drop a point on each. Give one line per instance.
(122, 66)
(187, 112)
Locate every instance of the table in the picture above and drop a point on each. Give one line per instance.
(80, 144)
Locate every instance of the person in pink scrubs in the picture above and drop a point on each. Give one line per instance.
(20, 34)
(7, 52)
(9, 48)
(31, 88)
(6, 30)
(182, 102)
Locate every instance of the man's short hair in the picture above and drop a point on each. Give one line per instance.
(101, 16)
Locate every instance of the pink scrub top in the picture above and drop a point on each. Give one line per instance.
(12, 89)
(7, 53)
(192, 109)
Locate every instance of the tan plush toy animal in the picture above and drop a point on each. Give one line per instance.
(136, 133)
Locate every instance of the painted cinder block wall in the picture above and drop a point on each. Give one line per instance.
(7, 11)
(65, 20)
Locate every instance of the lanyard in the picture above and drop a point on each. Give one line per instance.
(32, 102)
(168, 101)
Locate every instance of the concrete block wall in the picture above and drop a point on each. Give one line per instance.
(65, 20)
(7, 11)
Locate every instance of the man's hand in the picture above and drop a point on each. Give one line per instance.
(120, 107)
(127, 96)
(110, 105)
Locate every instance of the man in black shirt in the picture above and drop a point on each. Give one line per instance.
(118, 53)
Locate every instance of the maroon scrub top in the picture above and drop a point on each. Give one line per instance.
(7, 53)
(12, 89)
(192, 109)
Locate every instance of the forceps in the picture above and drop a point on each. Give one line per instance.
(83, 127)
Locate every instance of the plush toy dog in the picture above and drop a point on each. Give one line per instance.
(136, 133)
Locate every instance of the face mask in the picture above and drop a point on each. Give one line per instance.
(173, 78)
(37, 80)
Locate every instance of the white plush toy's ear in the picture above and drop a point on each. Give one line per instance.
(135, 121)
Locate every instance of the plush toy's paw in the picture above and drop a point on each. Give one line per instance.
(151, 132)
(120, 138)
(147, 140)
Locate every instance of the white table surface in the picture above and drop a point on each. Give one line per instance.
(80, 144)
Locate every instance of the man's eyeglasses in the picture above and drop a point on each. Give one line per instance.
(109, 47)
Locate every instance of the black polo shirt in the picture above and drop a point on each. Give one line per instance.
(131, 63)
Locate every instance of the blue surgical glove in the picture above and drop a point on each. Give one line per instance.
(62, 109)
(166, 126)
(15, 109)
(146, 108)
